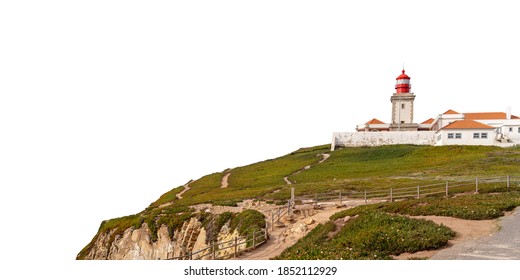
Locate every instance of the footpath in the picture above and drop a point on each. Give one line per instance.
(502, 245)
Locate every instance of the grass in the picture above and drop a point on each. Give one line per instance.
(357, 169)
(406, 165)
(470, 207)
(371, 235)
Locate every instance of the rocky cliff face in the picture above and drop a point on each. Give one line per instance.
(137, 244)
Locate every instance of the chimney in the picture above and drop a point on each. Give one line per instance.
(508, 116)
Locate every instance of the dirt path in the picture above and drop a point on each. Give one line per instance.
(466, 230)
(503, 244)
(224, 182)
(186, 188)
(282, 238)
(286, 178)
(304, 220)
(307, 218)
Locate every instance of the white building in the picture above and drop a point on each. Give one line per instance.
(449, 128)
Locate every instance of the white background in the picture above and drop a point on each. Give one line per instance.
(106, 105)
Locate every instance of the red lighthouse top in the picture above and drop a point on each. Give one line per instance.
(403, 83)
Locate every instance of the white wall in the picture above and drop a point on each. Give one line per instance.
(467, 137)
(357, 139)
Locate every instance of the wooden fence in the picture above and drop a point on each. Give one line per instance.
(220, 250)
(485, 184)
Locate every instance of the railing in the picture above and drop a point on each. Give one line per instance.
(486, 184)
(220, 250)
(278, 213)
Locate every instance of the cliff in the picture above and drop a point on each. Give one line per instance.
(194, 236)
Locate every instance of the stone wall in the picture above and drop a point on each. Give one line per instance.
(359, 139)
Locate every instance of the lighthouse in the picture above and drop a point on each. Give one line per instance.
(402, 105)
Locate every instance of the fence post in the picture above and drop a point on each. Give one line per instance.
(191, 255)
(254, 237)
(508, 182)
(476, 184)
(447, 189)
(235, 255)
(214, 249)
(418, 192)
(391, 195)
(272, 220)
(365, 196)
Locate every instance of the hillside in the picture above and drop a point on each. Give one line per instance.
(309, 172)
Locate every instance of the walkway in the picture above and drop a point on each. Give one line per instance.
(186, 188)
(503, 245)
(286, 178)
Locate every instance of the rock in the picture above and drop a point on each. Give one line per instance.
(299, 228)
(309, 221)
(288, 218)
(346, 219)
(279, 224)
(136, 235)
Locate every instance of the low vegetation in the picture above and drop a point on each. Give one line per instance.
(371, 235)
(350, 169)
(469, 207)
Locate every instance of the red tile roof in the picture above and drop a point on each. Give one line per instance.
(467, 124)
(428, 121)
(487, 116)
(451, 112)
(375, 121)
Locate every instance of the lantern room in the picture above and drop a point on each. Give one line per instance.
(403, 83)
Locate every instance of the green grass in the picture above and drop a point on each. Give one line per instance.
(470, 207)
(357, 169)
(371, 235)
(407, 165)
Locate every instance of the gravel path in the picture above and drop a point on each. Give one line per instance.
(502, 245)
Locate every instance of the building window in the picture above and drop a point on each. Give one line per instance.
(519, 130)
(476, 135)
(458, 135)
(510, 129)
(483, 135)
(402, 106)
(450, 135)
